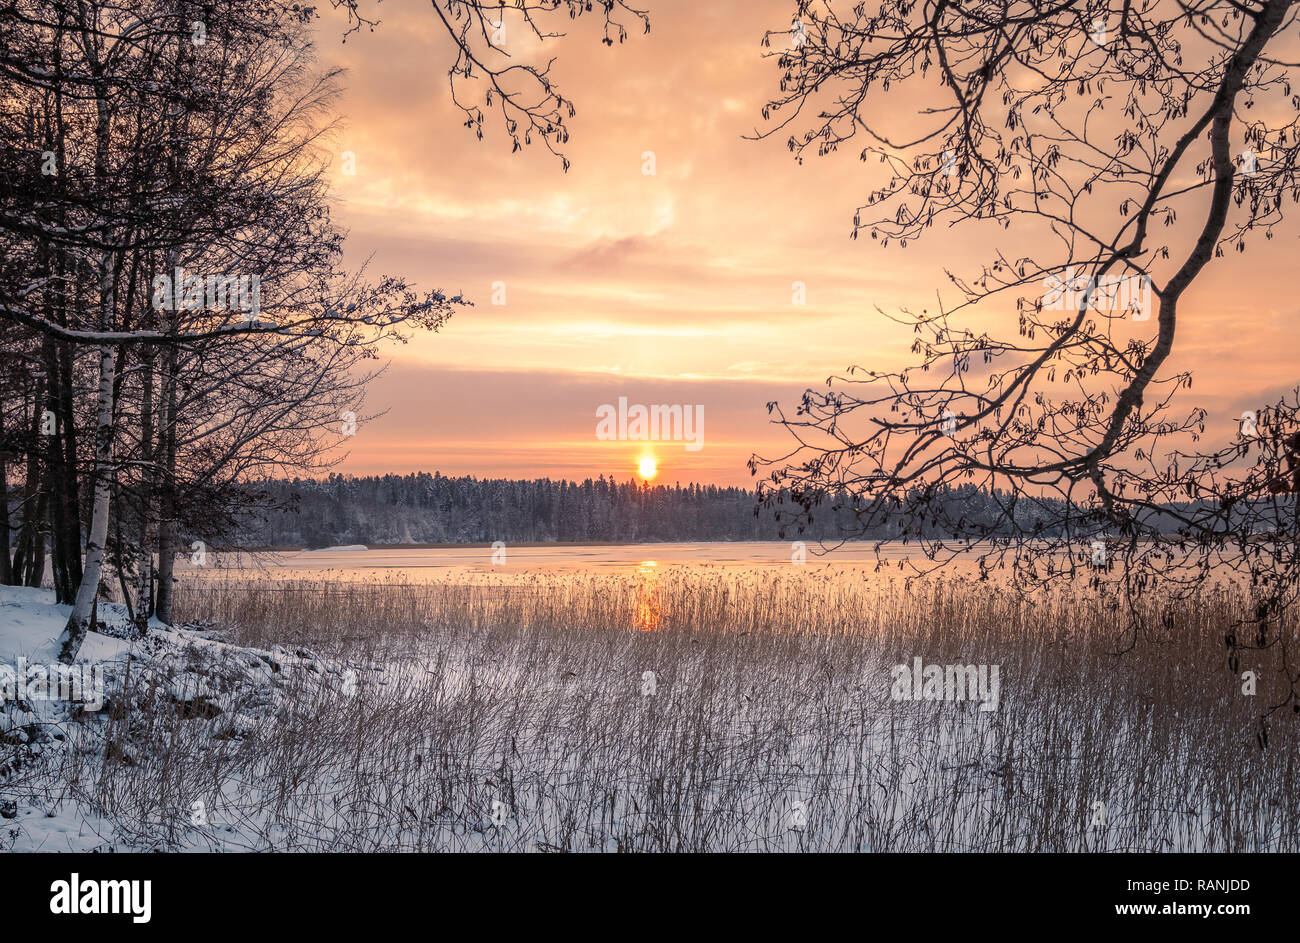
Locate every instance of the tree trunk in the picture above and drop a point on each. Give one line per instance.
(69, 538)
(37, 551)
(74, 633)
(83, 607)
(167, 502)
(27, 533)
(144, 505)
(55, 475)
(6, 569)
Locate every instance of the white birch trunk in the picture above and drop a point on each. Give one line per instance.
(74, 633)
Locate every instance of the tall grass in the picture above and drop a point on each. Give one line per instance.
(511, 715)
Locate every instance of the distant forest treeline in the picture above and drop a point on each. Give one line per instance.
(424, 508)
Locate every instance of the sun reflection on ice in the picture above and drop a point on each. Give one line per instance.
(648, 613)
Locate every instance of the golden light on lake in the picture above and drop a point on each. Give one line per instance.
(647, 467)
(649, 615)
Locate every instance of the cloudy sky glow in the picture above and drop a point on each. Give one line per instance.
(671, 288)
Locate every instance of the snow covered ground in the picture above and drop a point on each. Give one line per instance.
(520, 729)
(226, 690)
(30, 622)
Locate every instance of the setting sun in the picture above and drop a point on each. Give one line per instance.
(647, 467)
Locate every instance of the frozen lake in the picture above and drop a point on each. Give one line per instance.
(416, 564)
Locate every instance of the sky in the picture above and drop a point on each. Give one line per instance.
(677, 287)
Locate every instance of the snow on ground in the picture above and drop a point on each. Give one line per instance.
(30, 623)
(229, 688)
(486, 740)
